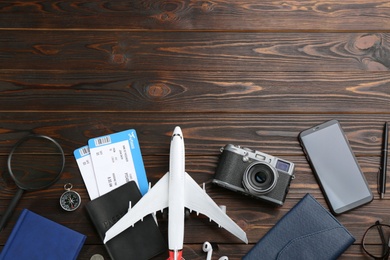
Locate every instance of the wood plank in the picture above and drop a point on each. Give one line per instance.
(204, 133)
(233, 251)
(194, 251)
(198, 15)
(195, 91)
(204, 51)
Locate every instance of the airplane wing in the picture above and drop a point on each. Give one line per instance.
(154, 200)
(197, 199)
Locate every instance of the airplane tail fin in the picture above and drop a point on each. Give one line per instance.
(175, 255)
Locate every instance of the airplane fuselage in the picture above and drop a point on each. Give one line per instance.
(176, 192)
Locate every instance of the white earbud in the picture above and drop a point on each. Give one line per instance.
(207, 248)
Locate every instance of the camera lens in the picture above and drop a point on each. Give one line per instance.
(260, 178)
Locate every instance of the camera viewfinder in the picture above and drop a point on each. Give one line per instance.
(282, 165)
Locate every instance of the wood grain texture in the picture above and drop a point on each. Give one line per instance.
(247, 72)
(195, 91)
(197, 15)
(205, 133)
(205, 51)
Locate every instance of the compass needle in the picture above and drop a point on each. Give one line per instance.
(70, 200)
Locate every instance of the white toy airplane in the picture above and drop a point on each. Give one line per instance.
(177, 191)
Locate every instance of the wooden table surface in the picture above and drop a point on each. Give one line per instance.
(248, 72)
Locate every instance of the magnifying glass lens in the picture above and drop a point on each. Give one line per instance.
(36, 162)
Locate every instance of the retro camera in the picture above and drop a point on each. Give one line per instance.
(254, 173)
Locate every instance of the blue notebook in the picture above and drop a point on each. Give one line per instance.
(308, 231)
(36, 237)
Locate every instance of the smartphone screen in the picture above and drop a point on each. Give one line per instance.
(335, 166)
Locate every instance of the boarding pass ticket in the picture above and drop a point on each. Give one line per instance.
(110, 161)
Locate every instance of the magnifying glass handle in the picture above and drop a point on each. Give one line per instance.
(10, 208)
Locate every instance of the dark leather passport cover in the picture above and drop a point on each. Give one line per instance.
(143, 241)
(307, 231)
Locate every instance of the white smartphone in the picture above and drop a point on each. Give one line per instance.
(335, 166)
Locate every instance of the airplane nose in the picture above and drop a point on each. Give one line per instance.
(177, 131)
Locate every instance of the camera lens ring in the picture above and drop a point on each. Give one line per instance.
(260, 178)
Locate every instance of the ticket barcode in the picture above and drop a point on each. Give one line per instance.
(84, 151)
(102, 140)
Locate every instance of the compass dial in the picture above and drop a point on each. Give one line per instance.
(70, 200)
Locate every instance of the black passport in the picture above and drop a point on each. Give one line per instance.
(308, 231)
(143, 241)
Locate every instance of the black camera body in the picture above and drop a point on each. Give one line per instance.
(254, 173)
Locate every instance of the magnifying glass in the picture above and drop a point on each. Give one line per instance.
(34, 163)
